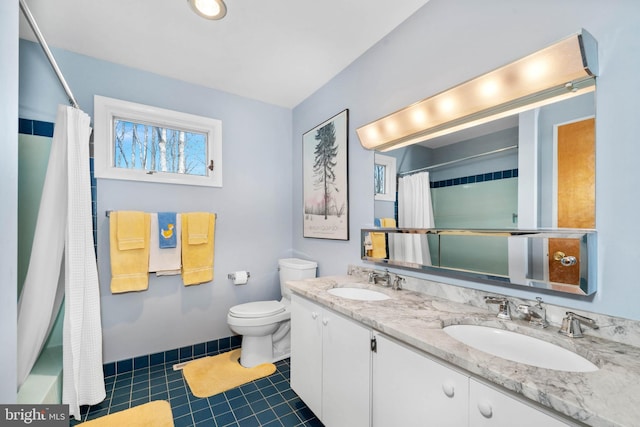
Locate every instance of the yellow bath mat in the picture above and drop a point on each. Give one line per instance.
(153, 414)
(215, 374)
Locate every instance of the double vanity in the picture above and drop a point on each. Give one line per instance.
(369, 355)
(497, 177)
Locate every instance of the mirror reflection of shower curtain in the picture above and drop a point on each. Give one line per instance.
(63, 262)
(415, 210)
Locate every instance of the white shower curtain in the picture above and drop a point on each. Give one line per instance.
(414, 211)
(64, 227)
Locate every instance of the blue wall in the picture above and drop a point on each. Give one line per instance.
(253, 228)
(448, 42)
(260, 206)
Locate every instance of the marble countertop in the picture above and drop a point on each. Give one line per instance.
(607, 397)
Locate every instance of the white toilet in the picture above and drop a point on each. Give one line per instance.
(265, 325)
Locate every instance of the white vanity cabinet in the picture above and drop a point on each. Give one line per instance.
(306, 352)
(346, 384)
(330, 364)
(489, 407)
(410, 389)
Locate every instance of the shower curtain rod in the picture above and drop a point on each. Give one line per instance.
(475, 156)
(45, 47)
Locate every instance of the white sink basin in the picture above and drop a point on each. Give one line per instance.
(520, 348)
(360, 294)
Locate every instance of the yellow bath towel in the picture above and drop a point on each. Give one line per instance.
(129, 268)
(197, 258)
(130, 230)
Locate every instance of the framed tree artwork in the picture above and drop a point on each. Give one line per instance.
(325, 179)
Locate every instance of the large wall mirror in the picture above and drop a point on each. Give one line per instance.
(530, 168)
(535, 169)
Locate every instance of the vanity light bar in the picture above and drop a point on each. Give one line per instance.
(564, 69)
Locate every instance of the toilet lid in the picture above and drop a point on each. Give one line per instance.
(257, 309)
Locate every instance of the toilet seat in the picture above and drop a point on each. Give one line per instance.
(257, 309)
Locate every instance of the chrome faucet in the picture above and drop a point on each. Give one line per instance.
(384, 278)
(397, 283)
(536, 314)
(503, 306)
(571, 325)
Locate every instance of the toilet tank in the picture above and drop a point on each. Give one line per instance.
(295, 269)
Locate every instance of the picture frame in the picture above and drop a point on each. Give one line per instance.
(325, 175)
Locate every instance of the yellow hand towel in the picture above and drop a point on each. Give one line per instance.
(130, 230)
(197, 258)
(390, 239)
(379, 242)
(388, 222)
(198, 228)
(129, 268)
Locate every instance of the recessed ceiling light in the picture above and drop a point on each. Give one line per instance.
(209, 9)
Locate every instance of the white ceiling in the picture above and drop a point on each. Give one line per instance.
(276, 51)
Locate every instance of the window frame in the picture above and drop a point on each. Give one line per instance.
(108, 109)
(389, 164)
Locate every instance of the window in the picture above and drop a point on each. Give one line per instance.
(143, 143)
(384, 177)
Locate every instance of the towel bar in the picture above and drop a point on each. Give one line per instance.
(107, 213)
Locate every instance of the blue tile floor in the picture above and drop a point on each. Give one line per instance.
(268, 401)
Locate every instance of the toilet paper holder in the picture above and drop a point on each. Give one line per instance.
(232, 276)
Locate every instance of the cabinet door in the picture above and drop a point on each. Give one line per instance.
(409, 389)
(346, 372)
(306, 352)
(491, 407)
